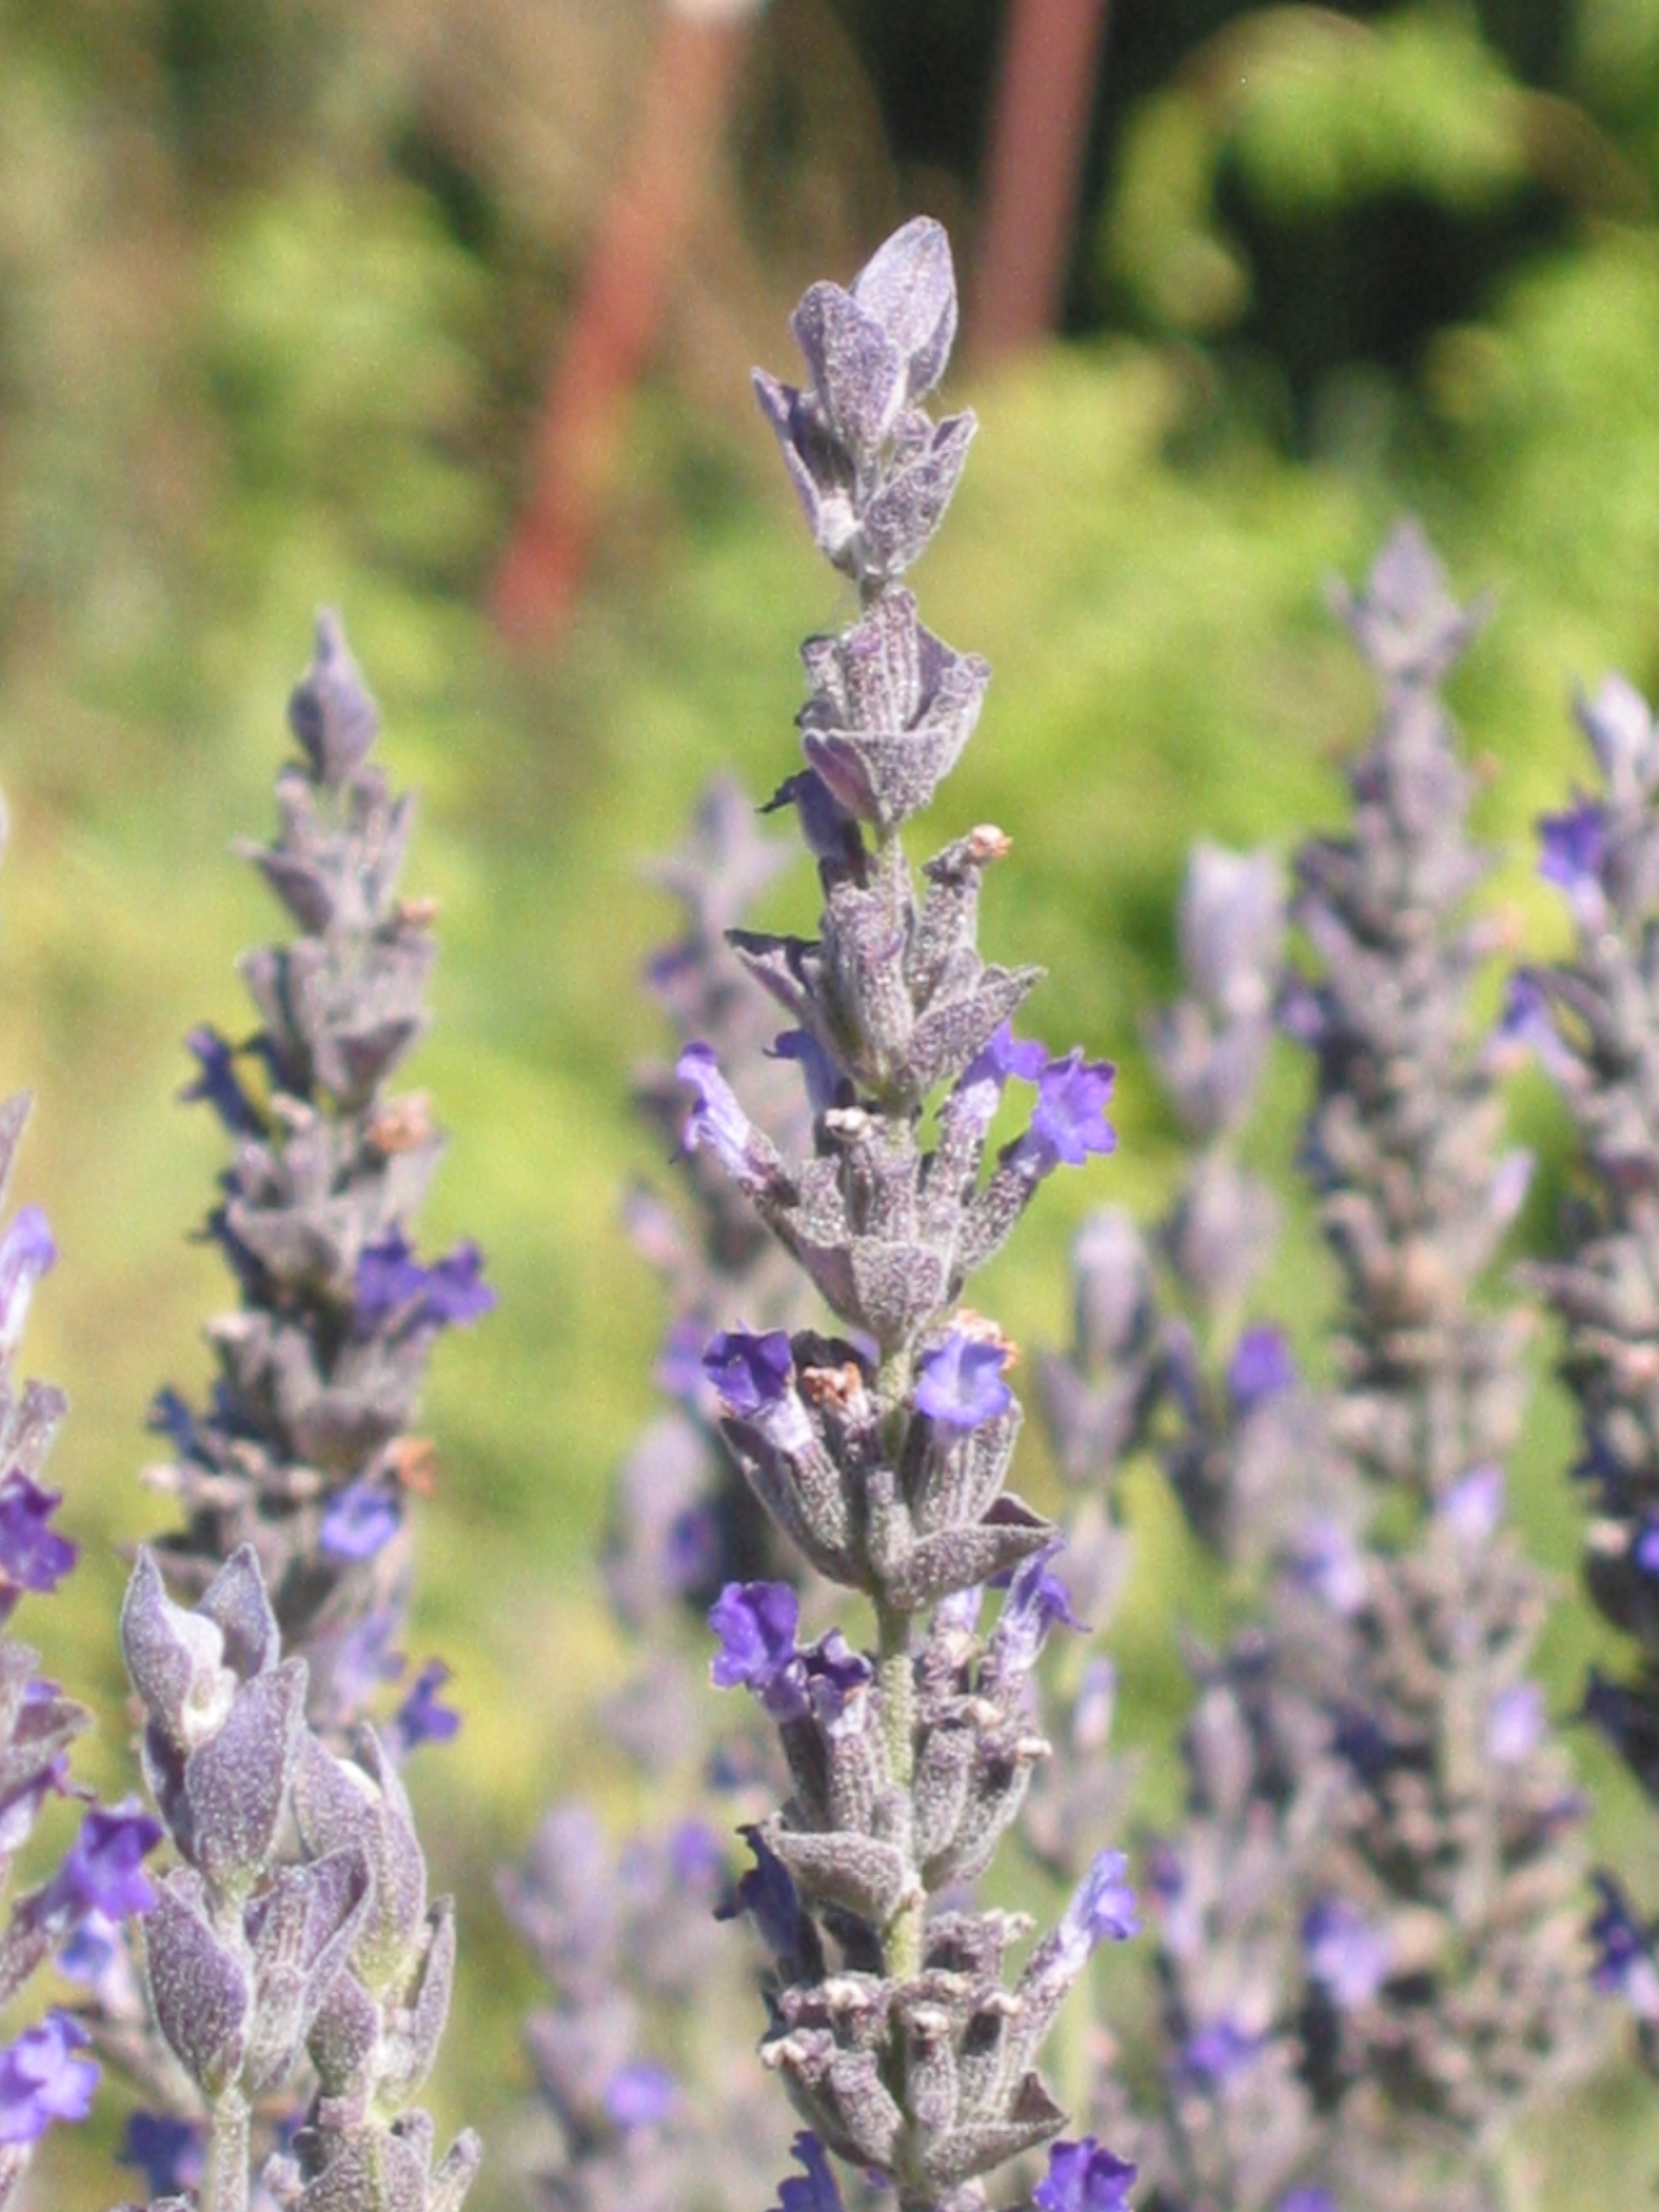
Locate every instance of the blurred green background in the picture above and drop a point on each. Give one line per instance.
(280, 282)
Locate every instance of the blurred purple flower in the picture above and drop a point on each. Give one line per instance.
(359, 1521)
(41, 2080)
(32, 1555)
(391, 1285)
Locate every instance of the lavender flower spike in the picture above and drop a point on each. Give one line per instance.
(883, 1455)
(306, 1447)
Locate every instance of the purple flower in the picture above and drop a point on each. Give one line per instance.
(824, 1080)
(1515, 1723)
(32, 1556)
(980, 1087)
(1327, 1561)
(219, 1085)
(1084, 2177)
(1037, 1602)
(41, 2080)
(1308, 2200)
(716, 1121)
(816, 2190)
(1473, 1506)
(359, 1521)
(173, 2153)
(420, 1718)
(1069, 1121)
(1101, 1909)
(756, 1623)
(697, 1855)
(748, 1372)
(1572, 849)
(1218, 2051)
(26, 1252)
(836, 1674)
(1624, 1952)
(102, 1870)
(1260, 1369)
(641, 2095)
(959, 1384)
(391, 1285)
(1346, 1955)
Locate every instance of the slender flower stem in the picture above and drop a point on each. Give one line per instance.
(224, 2183)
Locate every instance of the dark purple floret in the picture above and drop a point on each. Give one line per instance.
(102, 1872)
(641, 2095)
(359, 1521)
(835, 1677)
(756, 1623)
(815, 2190)
(749, 1370)
(169, 1417)
(42, 2079)
(219, 1085)
(1260, 1369)
(1346, 1953)
(170, 2152)
(959, 1384)
(391, 1285)
(824, 1080)
(1084, 2177)
(422, 1718)
(767, 1894)
(1625, 1964)
(32, 1555)
(1572, 849)
(1069, 1121)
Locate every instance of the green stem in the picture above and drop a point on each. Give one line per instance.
(224, 2183)
(895, 1675)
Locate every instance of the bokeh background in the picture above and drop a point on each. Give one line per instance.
(283, 287)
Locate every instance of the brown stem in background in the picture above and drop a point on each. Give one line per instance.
(689, 78)
(1045, 93)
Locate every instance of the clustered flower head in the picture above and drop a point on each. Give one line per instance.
(292, 1946)
(883, 1452)
(306, 1448)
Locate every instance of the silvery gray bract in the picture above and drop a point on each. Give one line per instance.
(873, 473)
(295, 1927)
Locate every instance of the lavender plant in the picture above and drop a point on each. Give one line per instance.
(1446, 1983)
(1590, 1020)
(883, 1454)
(293, 1940)
(306, 1448)
(44, 2075)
